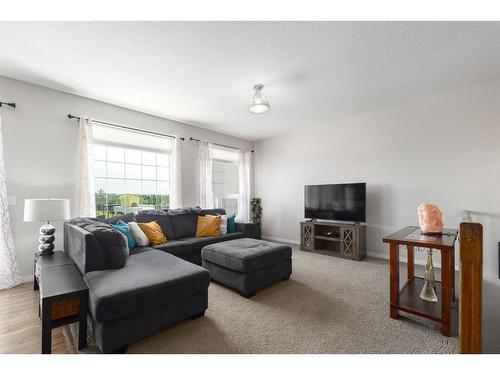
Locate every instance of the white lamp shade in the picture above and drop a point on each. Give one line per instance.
(41, 210)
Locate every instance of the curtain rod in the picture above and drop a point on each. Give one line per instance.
(127, 127)
(13, 105)
(217, 144)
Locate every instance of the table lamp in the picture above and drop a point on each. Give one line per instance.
(46, 210)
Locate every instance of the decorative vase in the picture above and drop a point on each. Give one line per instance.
(428, 292)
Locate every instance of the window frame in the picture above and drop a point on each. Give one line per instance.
(158, 197)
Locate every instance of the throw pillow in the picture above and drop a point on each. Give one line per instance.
(140, 238)
(208, 226)
(231, 223)
(122, 227)
(112, 242)
(154, 233)
(223, 224)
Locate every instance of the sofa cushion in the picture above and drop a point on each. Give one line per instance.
(199, 242)
(246, 254)
(213, 212)
(190, 248)
(127, 218)
(152, 278)
(178, 248)
(161, 216)
(175, 211)
(184, 221)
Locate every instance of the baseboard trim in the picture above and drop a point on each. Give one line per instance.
(372, 254)
(283, 240)
(27, 278)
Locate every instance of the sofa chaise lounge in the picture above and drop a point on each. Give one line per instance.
(134, 295)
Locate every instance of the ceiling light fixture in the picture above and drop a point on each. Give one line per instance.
(259, 104)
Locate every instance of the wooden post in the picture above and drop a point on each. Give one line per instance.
(445, 292)
(471, 284)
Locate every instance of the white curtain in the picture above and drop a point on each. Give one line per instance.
(85, 206)
(176, 175)
(205, 194)
(244, 162)
(9, 271)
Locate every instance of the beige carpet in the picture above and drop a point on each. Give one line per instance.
(329, 305)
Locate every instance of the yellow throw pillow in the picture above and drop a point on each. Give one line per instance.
(208, 226)
(153, 232)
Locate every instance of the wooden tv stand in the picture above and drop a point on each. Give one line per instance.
(346, 241)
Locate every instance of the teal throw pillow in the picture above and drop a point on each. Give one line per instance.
(231, 223)
(122, 227)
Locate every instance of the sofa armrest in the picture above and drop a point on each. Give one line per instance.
(249, 230)
(83, 248)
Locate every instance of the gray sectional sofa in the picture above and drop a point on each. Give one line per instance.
(134, 295)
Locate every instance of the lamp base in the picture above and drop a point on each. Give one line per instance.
(428, 292)
(46, 239)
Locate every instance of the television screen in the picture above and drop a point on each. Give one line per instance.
(343, 202)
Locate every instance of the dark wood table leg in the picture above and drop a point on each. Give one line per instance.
(46, 328)
(394, 279)
(452, 273)
(445, 292)
(35, 282)
(82, 323)
(411, 262)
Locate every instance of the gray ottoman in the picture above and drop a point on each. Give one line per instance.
(247, 264)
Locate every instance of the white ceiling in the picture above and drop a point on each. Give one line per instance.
(202, 73)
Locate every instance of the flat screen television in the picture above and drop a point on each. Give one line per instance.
(341, 202)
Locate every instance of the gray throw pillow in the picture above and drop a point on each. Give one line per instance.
(113, 243)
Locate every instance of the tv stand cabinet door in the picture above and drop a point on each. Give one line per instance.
(307, 236)
(349, 247)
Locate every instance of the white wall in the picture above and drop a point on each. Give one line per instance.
(443, 149)
(40, 145)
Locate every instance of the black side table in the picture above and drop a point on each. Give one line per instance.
(58, 258)
(63, 297)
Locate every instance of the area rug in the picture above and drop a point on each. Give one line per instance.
(329, 305)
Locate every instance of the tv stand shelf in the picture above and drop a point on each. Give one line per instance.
(328, 238)
(336, 239)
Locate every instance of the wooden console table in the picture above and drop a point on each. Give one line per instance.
(408, 298)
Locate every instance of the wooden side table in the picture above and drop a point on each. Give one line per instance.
(63, 297)
(408, 297)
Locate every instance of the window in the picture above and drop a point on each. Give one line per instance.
(225, 179)
(128, 178)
